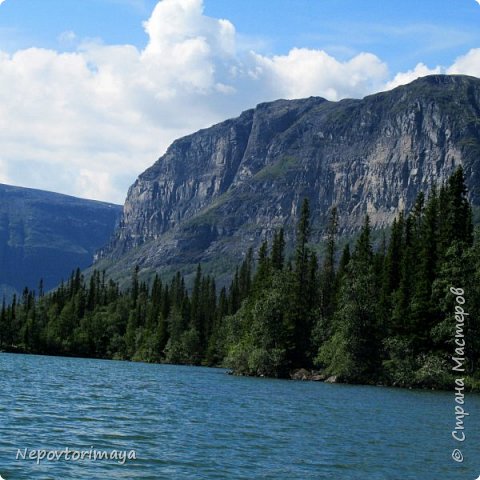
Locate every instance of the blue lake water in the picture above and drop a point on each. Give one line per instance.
(199, 423)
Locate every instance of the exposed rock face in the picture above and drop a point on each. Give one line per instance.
(47, 235)
(225, 188)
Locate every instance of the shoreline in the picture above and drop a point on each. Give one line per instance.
(295, 375)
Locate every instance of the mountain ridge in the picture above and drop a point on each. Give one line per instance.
(46, 235)
(218, 191)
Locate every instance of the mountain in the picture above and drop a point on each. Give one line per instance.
(223, 189)
(47, 235)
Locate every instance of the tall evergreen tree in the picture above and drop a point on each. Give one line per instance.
(354, 352)
(278, 250)
(327, 280)
(301, 312)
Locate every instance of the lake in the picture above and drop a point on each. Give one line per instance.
(199, 423)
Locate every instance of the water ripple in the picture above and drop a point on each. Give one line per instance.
(198, 423)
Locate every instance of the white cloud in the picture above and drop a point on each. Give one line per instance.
(468, 64)
(95, 184)
(305, 72)
(420, 70)
(89, 121)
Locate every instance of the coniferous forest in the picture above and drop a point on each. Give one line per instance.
(382, 315)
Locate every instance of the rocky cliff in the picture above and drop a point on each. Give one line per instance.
(47, 235)
(217, 192)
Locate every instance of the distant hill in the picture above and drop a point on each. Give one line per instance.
(219, 191)
(46, 235)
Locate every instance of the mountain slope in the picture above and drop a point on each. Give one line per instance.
(223, 189)
(47, 235)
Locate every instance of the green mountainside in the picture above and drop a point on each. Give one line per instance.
(46, 235)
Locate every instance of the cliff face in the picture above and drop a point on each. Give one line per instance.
(47, 235)
(225, 188)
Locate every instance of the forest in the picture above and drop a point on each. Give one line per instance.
(383, 315)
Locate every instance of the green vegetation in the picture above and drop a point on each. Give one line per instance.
(384, 315)
(276, 170)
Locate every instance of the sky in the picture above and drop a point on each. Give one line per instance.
(92, 92)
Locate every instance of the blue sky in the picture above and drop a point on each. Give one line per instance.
(90, 95)
(403, 33)
(400, 32)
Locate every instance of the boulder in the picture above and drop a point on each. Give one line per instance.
(300, 374)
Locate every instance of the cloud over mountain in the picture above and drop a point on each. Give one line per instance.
(87, 122)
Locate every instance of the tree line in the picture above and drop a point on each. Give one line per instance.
(369, 315)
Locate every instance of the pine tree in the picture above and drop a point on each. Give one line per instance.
(354, 352)
(301, 310)
(460, 212)
(344, 261)
(278, 250)
(422, 308)
(245, 275)
(393, 260)
(401, 322)
(234, 294)
(197, 320)
(262, 275)
(327, 278)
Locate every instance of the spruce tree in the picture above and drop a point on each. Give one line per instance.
(460, 211)
(327, 277)
(278, 250)
(302, 314)
(354, 351)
